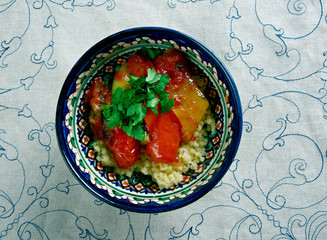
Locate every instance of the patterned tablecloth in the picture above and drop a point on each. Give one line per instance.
(275, 50)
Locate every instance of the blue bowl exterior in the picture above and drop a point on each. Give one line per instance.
(84, 63)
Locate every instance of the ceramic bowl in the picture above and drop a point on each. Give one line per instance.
(137, 193)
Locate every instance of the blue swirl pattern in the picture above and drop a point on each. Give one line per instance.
(275, 188)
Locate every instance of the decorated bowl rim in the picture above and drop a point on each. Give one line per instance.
(77, 70)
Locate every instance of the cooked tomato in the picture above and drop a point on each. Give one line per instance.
(125, 149)
(165, 137)
(98, 127)
(138, 65)
(149, 120)
(98, 95)
(174, 65)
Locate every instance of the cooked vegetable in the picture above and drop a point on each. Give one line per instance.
(190, 107)
(125, 149)
(153, 100)
(190, 103)
(165, 137)
(128, 107)
(136, 66)
(121, 78)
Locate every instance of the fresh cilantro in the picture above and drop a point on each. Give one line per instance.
(129, 107)
(152, 76)
(116, 96)
(113, 116)
(152, 104)
(128, 129)
(160, 87)
(139, 115)
(131, 110)
(150, 52)
(166, 104)
(133, 80)
(150, 93)
(138, 132)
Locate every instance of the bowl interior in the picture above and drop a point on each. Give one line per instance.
(139, 192)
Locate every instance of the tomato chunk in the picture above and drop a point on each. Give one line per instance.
(138, 65)
(174, 65)
(125, 149)
(98, 129)
(98, 95)
(165, 138)
(150, 119)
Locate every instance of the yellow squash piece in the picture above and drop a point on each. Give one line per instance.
(190, 106)
(121, 78)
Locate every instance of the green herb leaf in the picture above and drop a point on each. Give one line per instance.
(150, 78)
(150, 93)
(120, 107)
(116, 96)
(152, 104)
(129, 107)
(131, 110)
(128, 129)
(160, 87)
(140, 113)
(138, 132)
(128, 96)
(166, 104)
(112, 116)
(150, 52)
(133, 80)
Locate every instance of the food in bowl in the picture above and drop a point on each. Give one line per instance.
(217, 134)
(152, 118)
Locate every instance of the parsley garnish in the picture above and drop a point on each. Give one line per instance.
(150, 52)
(128, 107)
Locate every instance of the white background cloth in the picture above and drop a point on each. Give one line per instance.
(276, 52)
